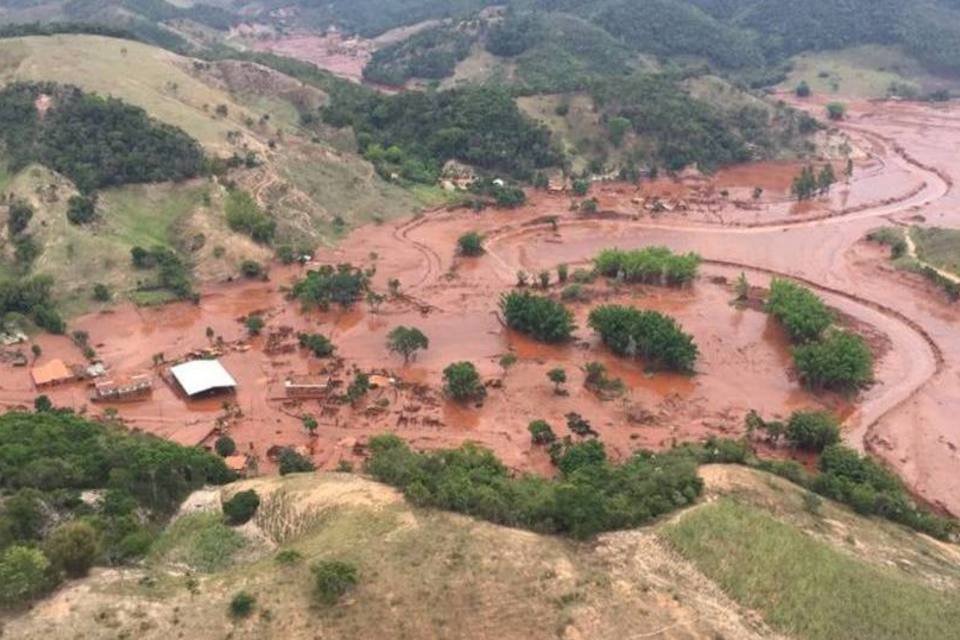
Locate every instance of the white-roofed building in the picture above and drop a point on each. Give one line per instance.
(202, 376)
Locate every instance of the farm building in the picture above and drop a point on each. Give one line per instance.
(51, 374)
(119, 390)
(302, 386)
(201, 377)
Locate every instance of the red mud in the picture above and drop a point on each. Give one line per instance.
(907, 417)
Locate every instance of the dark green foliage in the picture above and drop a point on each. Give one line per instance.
(430, 53)
(96, 142)
(650, 265)
(462, 382)
(244, 215)
(19, 214)
(582, 455)
(332, 579)
(242, 604)
(406, 341)
(650, 335)
(813, 430)
(32, 297)
(413, 133)
(541, 432)
(101, 292)
(802, 313)
(343, 285)
(72, 548)
(543, 318)
(82, 209)
(842, 361)
(505, 196)
(254, 324)
(857, 480)
(596, 496)
(358, 388)
(251, 269)
(578, 425)
(289, 461)
(513, 35)
(836, 110)
(225, 446)
(805, 185)
(891, 237)
(241, 507)
(172, 273)
(803, 89)
(470, 244)
(24, 574)
(319, 344)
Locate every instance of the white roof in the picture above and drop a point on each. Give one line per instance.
(202, 375)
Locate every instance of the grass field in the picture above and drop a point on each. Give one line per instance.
(804, 586)
(865, 72)
(938, 246)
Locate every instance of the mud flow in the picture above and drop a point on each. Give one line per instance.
(741, 219)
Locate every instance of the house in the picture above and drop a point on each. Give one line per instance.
(301, 386)
(51, 374)
(120, 390)
(203, 377)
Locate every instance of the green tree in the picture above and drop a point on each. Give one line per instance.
(19, 214)
(813, 430)
(42, 403)
(289, 461)
(543, 318)
(242, 603)
(580, 187)
(826, 178)
(23, 574)
(541, 432)
(254, 324)
(241, 507)
(332, 579)
(618, 127)
(225, 446)
(101, 292)
(406, 341)
(836, 110)
(82, 209)
(842, 361)
(319, 344)
(72, 547)
(309, 423)
(470, 244)
(803, 89)
(558, 377)
(462, 382)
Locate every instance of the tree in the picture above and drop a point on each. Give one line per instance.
(358, 388)
(251, 269)
(802, 313)
(826, 179)
(836, 110)
(242, 603)
(813, 430)
(650, 335)
(42, 403)
(541, 432)
(319, 344)
(331, 580)
(23, 574)
(254, 324)
(558, 377)
(289, 461)
(579, 425)
(462, 382)
(618, 127)
(842, 361)
(563, 272)
(507, 360)
(72, 547)
(406, 341)
(470, 244)
(309, 423)
(19, 214)
(225, 446)
(805, 185)
(803, 89)
(241, 507)
(581, 186)
(82, 209)
(101, 292)
(36, 350)
(742, 288)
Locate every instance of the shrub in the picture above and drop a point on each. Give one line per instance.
(332, 579)
(842, 362)
(580, 187)
(540, 317)
(802, 313)
(251, 269)
(406, 341)
(101, 292)
(581, 455)
(319, 344)
(19, 214)
(462, 382)
(81, 209)
(288, 557)
(558, 377)
(225, 446)
(254, 324)
(650, 335)
(72, 547)
(289, 461)
(241, 604)
(813, 430)
(244, 215)
(241, 507)
(23, 574)
(470, 244)
(563, 272)
(541, 432)
(650, 265)
(836, 110)
(803, 89)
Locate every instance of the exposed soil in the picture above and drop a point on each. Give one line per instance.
(907, 417)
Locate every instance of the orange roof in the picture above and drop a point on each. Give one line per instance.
(53, 371)
(236, 463)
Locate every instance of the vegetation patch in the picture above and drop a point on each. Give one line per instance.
(539, 316)
(801, 585)
(343, 285)
(650, 265)
(650, 335)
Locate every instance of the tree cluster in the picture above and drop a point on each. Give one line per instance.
(245, 215)
(650, 265)
(343, 285)
(650, 335)
(538, 316)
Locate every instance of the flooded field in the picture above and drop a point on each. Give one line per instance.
(904, 167)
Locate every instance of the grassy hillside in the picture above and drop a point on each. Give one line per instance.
(424, 573)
